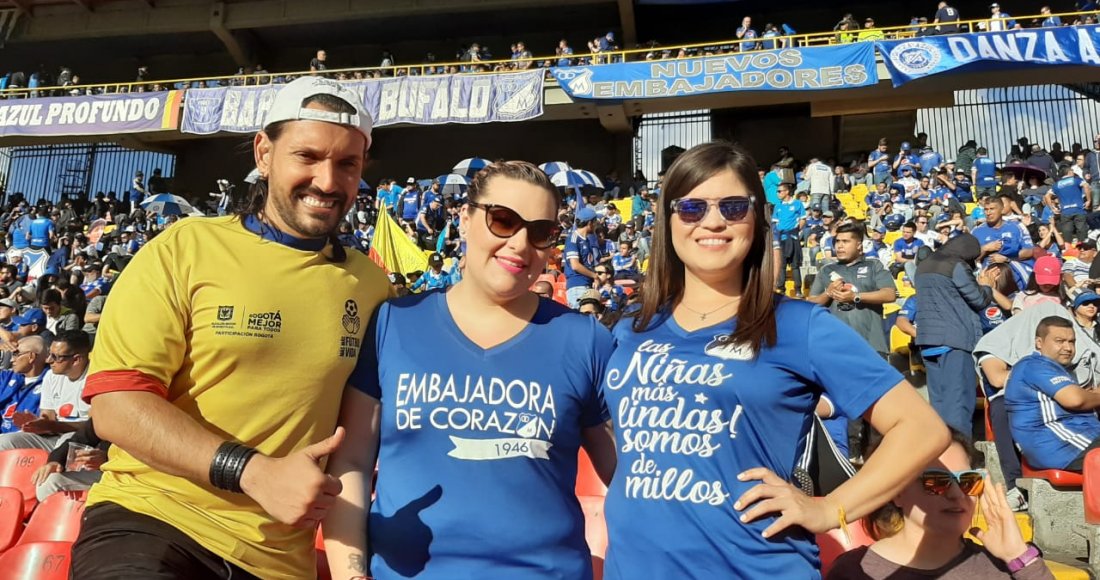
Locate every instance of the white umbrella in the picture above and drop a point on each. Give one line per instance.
(168, 204)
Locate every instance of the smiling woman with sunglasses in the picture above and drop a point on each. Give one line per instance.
(486, 393)
(920, 533)
(713, 386)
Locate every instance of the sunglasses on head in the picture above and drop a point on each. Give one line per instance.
(938, 481)
(692, 210)
(504, 222)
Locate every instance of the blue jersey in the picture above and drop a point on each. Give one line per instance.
(907, 249)
(914, 163)
(1050, 435)
(18, 395)
(479, 447)
(623, 264)
(410, 204)
(584, 248)
(432, 280)
(993, 316)
(20, 234)
(787, 214)
(1012, 235)
(1070, 192)
(929, 162)
(986, 172)
(880, 169)
(434, 217)
(692, 410)
(39, 232)
(909, 309)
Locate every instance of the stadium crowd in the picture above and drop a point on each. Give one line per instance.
(476, 58)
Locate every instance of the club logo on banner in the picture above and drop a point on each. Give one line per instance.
(801, 69)
(421, 100)
(908, 60)
(90, 115)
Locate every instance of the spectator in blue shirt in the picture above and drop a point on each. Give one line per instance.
(930, 161)
(1073, 202)
(1053, 419)
(747, 35)
(41, 230)
(409, 203)
(1000, 21)
(879, 163)
(20, 387)
(771, 33)
(580, 257)
(430, 221)
(906, 158)
(435, 278)
(1050, 20)
(983, 174)
(564, 52)
(905, 251)
(789, 217)
(625, 263)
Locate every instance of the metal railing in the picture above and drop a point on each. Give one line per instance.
(671, 52)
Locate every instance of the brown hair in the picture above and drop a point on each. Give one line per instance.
(664, 282)
(888, 520)
(254, 203)
(518, 170)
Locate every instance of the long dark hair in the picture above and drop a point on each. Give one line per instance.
(664, 282)
(256, 199)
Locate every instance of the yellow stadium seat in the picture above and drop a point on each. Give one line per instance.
(890, 238)
(888, 309)
(645, 265)
(899, 341)
(970, 207)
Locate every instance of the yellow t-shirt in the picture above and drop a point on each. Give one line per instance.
(253, 338)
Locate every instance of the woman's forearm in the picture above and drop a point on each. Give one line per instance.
(913, 435)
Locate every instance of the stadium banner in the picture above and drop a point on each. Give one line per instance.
(420, 100)
(794, 69)
(912, 59)
(90, 115)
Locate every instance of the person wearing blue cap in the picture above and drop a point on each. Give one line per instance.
(580, 257)
(906, 159)
(430, 220)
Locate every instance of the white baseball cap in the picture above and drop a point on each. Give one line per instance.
(288, 105)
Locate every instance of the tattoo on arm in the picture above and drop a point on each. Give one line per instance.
(356, 564)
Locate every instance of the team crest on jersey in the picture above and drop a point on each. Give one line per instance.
(225, 313)
(724, 348)
(351, 317)
(349, 345)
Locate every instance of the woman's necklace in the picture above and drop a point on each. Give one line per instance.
(704, 315)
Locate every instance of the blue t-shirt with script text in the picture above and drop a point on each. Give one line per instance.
(692, 410)
(478, 455)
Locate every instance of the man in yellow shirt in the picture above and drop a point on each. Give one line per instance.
(220, 363)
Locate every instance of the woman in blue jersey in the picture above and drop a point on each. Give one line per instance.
(712, 387)
(477, 400)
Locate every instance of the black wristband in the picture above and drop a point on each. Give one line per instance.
(228, 466)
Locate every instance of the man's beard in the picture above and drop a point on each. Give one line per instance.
(312, 228)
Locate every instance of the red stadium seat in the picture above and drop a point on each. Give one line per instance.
(595, 531)
(559, 291)
(1056, 477)
(988, 424)
(1091, 487)
(11, 517)
(37, 561)
(16, 468)
(588, 482)
(56, 520)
